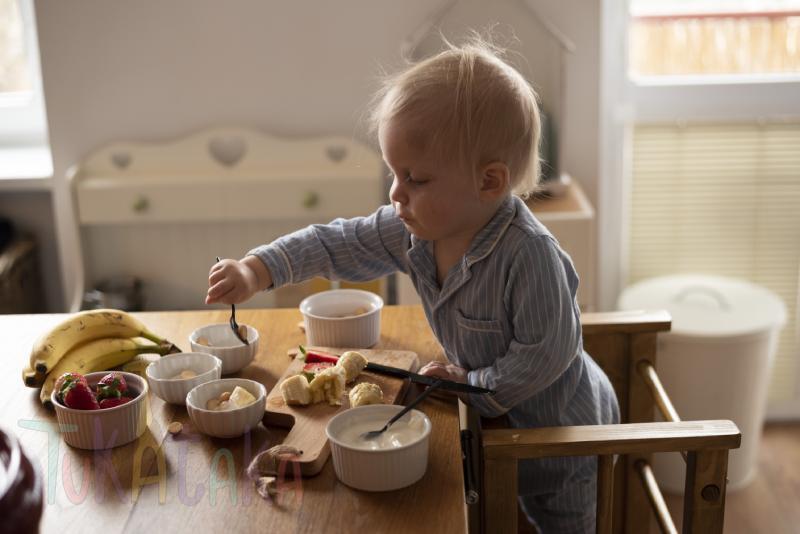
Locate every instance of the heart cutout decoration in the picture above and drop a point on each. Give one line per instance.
(228, 151)
(121, 160)
(336, 153)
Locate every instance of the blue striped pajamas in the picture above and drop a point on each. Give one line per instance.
(507, 312)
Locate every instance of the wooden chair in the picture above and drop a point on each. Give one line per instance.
(624, 345)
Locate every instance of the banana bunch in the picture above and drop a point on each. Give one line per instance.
(89, 341)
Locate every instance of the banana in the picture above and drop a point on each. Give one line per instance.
(82, 327)
(97, 355)
(139, 363)
(31, 378)
(295, 390)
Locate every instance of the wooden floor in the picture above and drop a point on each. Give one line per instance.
(771, 503)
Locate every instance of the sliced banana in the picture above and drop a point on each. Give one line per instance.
(328, 386)
(295, 390)
(352, 363)
(365, 393)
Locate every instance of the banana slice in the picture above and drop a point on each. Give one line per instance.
(352, 363)
(365, 393)
(295, 390)
(328, 386)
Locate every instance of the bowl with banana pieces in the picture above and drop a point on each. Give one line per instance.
(342, 318)
(228, 407)
(220, 341)
(173, 376)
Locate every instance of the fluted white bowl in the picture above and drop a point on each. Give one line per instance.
(107, 427)
(160, 374)
(383, 469)
(228, 423)
(234, 354)
(328, 323)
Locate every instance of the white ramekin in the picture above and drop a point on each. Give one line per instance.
(234, 354)
(377, 470)
(107, 427)
(229, 423)
(325, 326)
(174, 390)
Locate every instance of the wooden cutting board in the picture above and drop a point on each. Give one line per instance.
(307, 423)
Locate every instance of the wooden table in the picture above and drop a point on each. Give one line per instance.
(162, 483)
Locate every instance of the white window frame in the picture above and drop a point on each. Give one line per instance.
(22, 117)
(626, 101)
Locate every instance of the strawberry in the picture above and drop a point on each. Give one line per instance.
(111, 386)
(116, 401)
(65, 380)
(79, 396)
(313, 369)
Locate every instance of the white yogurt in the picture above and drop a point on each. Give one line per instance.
(403, 432)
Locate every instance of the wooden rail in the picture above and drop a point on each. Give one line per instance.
(663, 402)
(656, 498)
(605, 494)
(609, 439)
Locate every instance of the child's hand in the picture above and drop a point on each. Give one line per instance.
(231, 282)
(448, 371)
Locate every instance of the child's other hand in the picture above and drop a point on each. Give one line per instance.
(231, 282)
(448, 371)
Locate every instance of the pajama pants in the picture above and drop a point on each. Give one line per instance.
(559, 495)
(561, 505)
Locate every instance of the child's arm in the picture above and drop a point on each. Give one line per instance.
(540, 295)
(359, 249)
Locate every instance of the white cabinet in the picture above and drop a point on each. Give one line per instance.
(163, 212)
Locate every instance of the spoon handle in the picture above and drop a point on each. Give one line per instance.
(413, 403)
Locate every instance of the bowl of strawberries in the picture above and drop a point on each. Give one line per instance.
(100, 410)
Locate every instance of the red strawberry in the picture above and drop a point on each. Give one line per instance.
(65, 380)
(79, 396)
(313, 369)
(110, 403)
(112, 385)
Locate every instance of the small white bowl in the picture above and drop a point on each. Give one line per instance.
(107, 427)
(377, 470)
(160, 374)
(328, 321)
(234, 354)
(229, 423)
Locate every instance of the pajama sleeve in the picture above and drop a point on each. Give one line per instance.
(358, 249)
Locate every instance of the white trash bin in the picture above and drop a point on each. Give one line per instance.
(715, 363)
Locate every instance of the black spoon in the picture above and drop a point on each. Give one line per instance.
(233, 323)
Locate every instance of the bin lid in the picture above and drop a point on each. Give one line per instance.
(711, 306)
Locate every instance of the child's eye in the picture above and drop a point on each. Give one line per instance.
(408, 179)
(412, 180)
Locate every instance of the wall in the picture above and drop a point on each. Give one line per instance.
(151, 70)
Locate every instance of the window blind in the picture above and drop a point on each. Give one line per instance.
(721, 199)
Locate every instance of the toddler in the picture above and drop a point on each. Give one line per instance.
(460, 134)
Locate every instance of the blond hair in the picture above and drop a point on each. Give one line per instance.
(469, 106)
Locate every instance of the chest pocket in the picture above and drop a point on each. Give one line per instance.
(478, 342)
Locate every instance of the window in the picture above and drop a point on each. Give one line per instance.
(22, 118)
(705, 169)
(714, 38)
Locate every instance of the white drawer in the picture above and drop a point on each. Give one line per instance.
(103, 201)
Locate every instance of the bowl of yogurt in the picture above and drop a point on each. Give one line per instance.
(395, 459)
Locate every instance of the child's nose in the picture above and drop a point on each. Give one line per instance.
(397, 192)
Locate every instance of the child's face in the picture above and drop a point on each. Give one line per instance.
(436, 200)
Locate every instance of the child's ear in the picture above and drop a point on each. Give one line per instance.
(495, 179)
